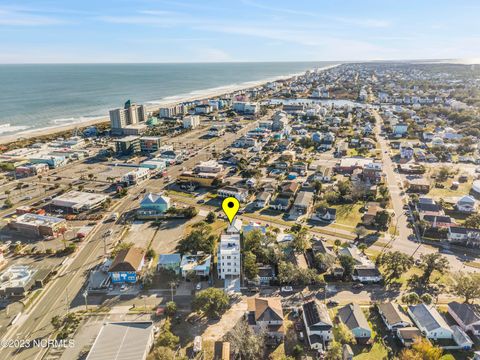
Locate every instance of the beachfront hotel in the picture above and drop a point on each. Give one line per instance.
(130, 115)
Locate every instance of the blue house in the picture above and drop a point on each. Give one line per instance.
(126, 266)
(154, 204)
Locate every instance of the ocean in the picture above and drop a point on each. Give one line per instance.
(43, 96)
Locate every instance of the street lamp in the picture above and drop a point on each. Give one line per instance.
(85, 295)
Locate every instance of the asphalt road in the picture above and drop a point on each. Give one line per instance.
(58, 295)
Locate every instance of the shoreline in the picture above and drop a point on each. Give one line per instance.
(150, 106)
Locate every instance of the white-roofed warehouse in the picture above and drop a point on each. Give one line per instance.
(129, 340)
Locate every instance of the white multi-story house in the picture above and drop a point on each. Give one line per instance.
(228, 263)
(318, 325)
(191, 121)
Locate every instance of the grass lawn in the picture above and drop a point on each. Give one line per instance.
(348, 214)
(463, 188)
(377, 352)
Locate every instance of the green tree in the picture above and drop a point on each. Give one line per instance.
(422, 349)
(253, 240)
(211, 217)
(335, 352)
(300, 240)
(201, 238)
(212, 302)
(426, 298)
(360, 231)
(8, 203)
(250, 265)
(343, 334)
(473, 221)
(166, 337)
(395, 263)
(348, 264)
(432, 262)
(382, 219)
(467, 286)
(170, 308)
(411, 298)
(245, 342)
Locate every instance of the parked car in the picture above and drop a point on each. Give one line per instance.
(286, 289)
(332, 303)
(199, 286)
(358, 286)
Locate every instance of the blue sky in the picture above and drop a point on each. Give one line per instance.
(242, 30)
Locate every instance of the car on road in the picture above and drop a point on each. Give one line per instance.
(332, 303)
(358, 286)
(199, 286)
(123, 287)
(286, 289)
(201, 201)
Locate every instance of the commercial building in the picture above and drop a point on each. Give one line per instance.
(204, 173)
(123, 341)
(191, 121)
(28, 170)
(149, 144)
(127, 265)
(228, 264)
(135, 176)
(78, 201)
(170, 111)
(38, 225)
(127, 145)
(130, 115)
(16, 280)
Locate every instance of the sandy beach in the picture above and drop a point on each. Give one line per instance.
(150, 106)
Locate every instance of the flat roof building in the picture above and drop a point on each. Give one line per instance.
(123, 341)
(39, 225)
(78, 201)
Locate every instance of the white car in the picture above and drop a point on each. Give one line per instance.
(123, 287)
(286, 289)
(199, 286)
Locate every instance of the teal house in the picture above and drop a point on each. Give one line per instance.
(153, 205)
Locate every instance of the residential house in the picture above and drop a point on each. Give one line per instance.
(408, 335)
(318, 325)
(266, 273)
(461, 338)
(354, 318)
(266, 314)
(418, 185)
(466, 204)
(196, 265)
(169, 262)
(303, 202)
(467, 316)
(240, 194)
(393, 316)
(464, 236)
(262, 199)
(406, 151)
(430, 322)
(369, 216)
(280, 203)
(328, 215)
(400, 129)
(366, 274)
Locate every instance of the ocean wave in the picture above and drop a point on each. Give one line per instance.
(7, 128)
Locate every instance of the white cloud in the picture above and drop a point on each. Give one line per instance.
(20, 17)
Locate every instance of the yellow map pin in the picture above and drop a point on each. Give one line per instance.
(230, 207)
